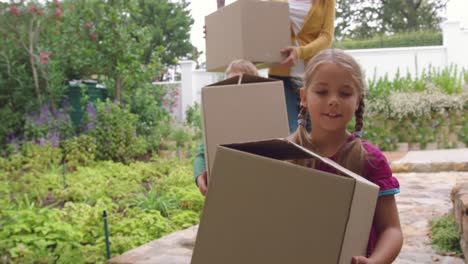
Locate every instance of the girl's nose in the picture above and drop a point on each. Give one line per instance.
(333, 101)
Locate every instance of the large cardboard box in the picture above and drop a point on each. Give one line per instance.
(247, 29)
(262, 209)
(242, 108)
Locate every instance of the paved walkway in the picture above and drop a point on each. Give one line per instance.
(424, 196)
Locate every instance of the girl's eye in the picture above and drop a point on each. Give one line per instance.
(321, 92)
(346, 94)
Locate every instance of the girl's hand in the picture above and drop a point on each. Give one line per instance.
(361, 260)
(202, 182)
(290, 53)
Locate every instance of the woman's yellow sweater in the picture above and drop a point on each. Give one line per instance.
(316, 34)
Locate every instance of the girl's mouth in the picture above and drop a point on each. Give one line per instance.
(331, 115)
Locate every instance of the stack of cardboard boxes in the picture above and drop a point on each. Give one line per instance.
(260, 208)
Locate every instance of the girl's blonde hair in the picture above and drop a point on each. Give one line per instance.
(243, 66)
(352, 154)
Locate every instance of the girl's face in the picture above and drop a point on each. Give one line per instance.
(331, 99)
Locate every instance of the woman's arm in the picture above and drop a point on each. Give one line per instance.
(390, 238)
(325, 37)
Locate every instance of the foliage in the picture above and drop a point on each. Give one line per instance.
(449, 80)
(180, 136)
(418, 104)
(430, 108)
(31, 157)
(193, 119)
(445, 235)
(403, 39)
(44, 44)
(11, 123)
(169, 24)
(29, 76)
(114, 129)
(153, 118)
(34, 235)
(79, 151)
(364, 19)
(48, 126)
(434, 127)
(30, 31)
(43, 221)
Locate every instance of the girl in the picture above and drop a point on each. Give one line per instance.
(333, 95)
(312, 30)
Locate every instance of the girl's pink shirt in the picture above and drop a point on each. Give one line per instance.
(376, 170)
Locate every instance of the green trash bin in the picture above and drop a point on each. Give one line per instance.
(93, 90)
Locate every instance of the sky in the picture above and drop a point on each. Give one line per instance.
(200, 9)
(456, 10)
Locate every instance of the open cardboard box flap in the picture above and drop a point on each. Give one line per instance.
(283, 149)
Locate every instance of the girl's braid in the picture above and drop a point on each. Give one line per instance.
(359, 114)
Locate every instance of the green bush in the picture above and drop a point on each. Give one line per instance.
(29, 157)
(11, 123)
(153, 119)
(408, 39)
(445, 235)
(114, 129)
(435, 127)
(448, 80)
(193, 120)
(425, 109)
(79, 151)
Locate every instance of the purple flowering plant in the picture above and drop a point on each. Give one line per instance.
(47, 126)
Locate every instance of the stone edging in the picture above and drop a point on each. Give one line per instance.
(459, 197)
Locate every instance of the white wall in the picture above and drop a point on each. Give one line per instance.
(379, 62)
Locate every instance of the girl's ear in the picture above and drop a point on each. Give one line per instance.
(303, 94)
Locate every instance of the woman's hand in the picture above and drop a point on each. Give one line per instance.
(290, 53)
(202, 182)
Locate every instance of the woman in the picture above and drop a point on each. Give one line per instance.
(312, 30)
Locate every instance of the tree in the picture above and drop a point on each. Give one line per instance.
(366, 18)
(169, 25)
(29, 30)
(45, 43)
(133, 39)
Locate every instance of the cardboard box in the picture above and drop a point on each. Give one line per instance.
(247, 29)
(262, 209)
(242, 108)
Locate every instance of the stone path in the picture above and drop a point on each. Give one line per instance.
(423, 196)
